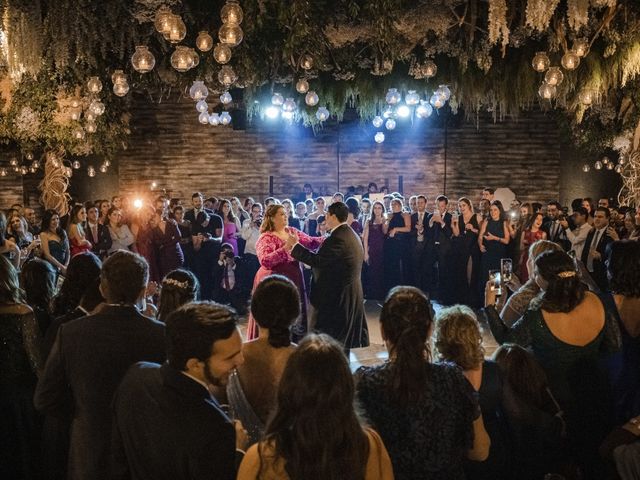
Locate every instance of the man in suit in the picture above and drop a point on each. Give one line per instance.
(97, 233)
(419, 229)
(336, 291)
(229, 280)
(89, 358)
(197, 201)
(595, 247)
(552, 227)
(167, 424)
(306, 194)
(438, 247)
(299, 218)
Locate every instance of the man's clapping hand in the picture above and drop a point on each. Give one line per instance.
(292, 239)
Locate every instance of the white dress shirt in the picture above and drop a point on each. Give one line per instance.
(250, 233)
(577, 237)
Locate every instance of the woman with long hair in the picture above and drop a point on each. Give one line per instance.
(312, 219)
(531, 234)
(396, 245)
(242, 215)
(590, 205)
(75, 230)
(231, 225)
(18, 232)
(38, 280)
(121, 236)
(274, 258)
(103, 210)
(177, 288)
(353, 219)
(493, 240)
(465, 255)
(375, 231)
(54, 242)
(166, 237)
(427, 414)
(252, 388)
(315, 432)
(142, 230)
(82, 270)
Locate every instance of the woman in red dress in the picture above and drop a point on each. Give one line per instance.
(77, 238)
(531, 234)
(274, 258)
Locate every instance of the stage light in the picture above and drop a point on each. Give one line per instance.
(272, 112)
(404, 111)
(154, 184)
(137, 203)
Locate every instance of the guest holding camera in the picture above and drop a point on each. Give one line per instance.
(228, 280)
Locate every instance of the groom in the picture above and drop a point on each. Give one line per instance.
(336, 291)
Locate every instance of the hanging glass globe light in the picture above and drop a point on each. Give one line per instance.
(586, 97)
(77, 133)
(202, 106)
(393, 96)
(214, 119)
(404, 111)
(377, 121)
(96, 107)
(75, 102)
(540, 62)
(225, 118)
(35, 164)
(547, 91)
(94, 85)
(198, 90)
(3, 172)
(289, 105)
(162, 22)
(388, 113)
(107, 163)
(412, 98)
(91, 171)
(598, 165)
(311, 98)
(586, 168)
(231, 34)
(379, 137)
(103, 168)
(554, 76)
(203, 118)
(306, 62)
(436, 100)
(581, 47)
(277, 99)
(76, 164)
(177, 30)
(424, 110)
(222, 53)
(429, 69)
(610, 166)
(390, 124)
(118, 76)
(618, 168)
(444, 92)
(13, 162)
(621, 160)
(181, 59)
(89, 116)
(24, 170)
(570, 60)
(74, 114)
(231, 12)
(605, 160)
(32, 170)
(143, 60)
(302, 86)
(120, 89)
(204, 41)
(226, 98)
(91, 127)
(226, 75)
(323, 114)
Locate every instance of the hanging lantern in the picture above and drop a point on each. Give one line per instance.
(302, 86)
(13, 162)
(311, 98)
(540, 62)
(424, 110)
(76, 102)
(204, 41)
(618, 168)
(32, 170)
(177, 30)
(91, 127)
(444, 92)
(586, 97)
(581, 47)
(89, 116)
(231, 12)
(306, 62)
(214, 119)
(547, 91)
(388, 113)
(198, 90)
(412, 98)
(3, 172)
(393, 96)
(430, 69)
(598, 165)
(94, 85)
(118, 76)
(570, 60)
(162, 22)
(277, 99)
(621, 160)
(78, 133)
(436, 100)
(323, 114)
(203, 118)
(74, 114)
(231, 34)
(605, 160)
(226, 98)
(35, 164)
(377, 121)
(379, 137)
(225, 118)
(91, 171)
(96, 107)
(202, 106)
(181, 59)
(107, 163)
(554, 76)
(289, 105)
(103, 168)
(24, 170)
(120, 89)
(390, 124)
(143, 60)
(610, 166)
(586, 168)
(222, 53)
(76, 164)
(227, 76)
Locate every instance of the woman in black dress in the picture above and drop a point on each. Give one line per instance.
(465, 256)
(206, 234)
(493, 240)
(396, 245)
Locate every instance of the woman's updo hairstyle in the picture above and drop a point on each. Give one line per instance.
(178, 288)
(565, 289)
(275, 305)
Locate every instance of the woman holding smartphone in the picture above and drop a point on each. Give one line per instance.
(493, 240)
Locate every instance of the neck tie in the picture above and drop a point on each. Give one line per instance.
(94, 233)
(592, 250)
(227, 285)
(554, 231)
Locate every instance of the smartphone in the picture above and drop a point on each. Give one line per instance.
(506, 269)
(496, 284)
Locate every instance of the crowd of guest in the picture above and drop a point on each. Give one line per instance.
(112, 368)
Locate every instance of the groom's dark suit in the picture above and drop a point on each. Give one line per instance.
(336, 291)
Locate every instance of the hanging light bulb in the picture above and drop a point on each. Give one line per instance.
(78, 133)
(429, 69)
(621, 160)
(540, 62)
(107, 163)
(162, 22)
(203, 118)
(586, 168)
(74, 114)
(202, 106)
(143, 60)
(302, 86)
(581, 47)
(311, 98)
(177, 30)
(198, 90)
(306, 62)
(323, 114)
(277, 99)
(404, 111)
(231, 12)
(91, 127)
(393, 96)
(605, 160)
(222, 53)
(610, 166)
(31, 169)
(547, 91)
(570, 60)
(554, 76)
(586, 97)
(436, 100)
(388, 113)
(181, 59)
(444, 92)
(204, 41)
(379, 137)
(289, 105)
(35, 164)
(412, 98)
(424, 110)
(118, 76)
(75, 102)
(24, 170)
(598, 165)
(76, 164)
(91, 171)
(272, 112)
(3, 172)
(225, 118)
(390, 124)
(231, 34)
(214, 119)
(226, 75)
(96, 107)
(103, 168)
(28, 156)
(13, 162)
(377, 121)
(94, 85)
(89, 116)
(226, 98)
(618, 168)
(120, 89)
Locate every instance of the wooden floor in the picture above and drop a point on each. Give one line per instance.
(376, 352)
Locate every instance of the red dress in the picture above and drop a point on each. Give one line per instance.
(274, 258)
(76, 248)
(528, 239)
